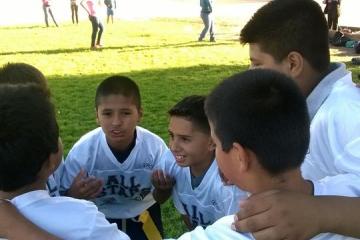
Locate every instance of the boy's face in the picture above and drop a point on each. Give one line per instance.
(260, 59)
(118, 116)
(225, 160)
(189, 145)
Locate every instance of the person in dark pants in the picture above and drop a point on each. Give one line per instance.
(97, 26)
(46, 8)
(333, 12)
(74, 11)
(208, 20)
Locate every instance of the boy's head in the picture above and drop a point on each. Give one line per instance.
(261, 115)
(118, 110)
(290, 36)
(190, 139)
(22, 73)
(29, 147)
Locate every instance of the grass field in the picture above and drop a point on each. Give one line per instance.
(161, 55)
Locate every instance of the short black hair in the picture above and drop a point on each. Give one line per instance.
(118, 85)
(28, 134)
(265, 112)
(23, 73)
(282, 26)
(192, 109)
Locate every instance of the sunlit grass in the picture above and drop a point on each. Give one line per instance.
(162, 56)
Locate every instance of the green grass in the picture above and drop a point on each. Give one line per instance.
(161, 55)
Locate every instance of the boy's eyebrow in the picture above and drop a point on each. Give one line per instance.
(181, 135)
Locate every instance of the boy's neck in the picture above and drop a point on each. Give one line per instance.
(201, 167)
(290, 180)
(28, 188)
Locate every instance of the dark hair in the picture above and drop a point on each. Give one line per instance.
(22, 73)
(265, 112)
(282, 26)
(28, 134)
(118, 85)
(192, 108)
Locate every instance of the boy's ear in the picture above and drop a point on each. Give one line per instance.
(140, 114)
(296, 64)
(241, 155)
(97, 116)
(211, 145)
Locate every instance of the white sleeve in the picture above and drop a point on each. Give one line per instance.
(344, 134)
(231, 204)
(72, 166)
(347, 185)
(102, 229)
(221, 229)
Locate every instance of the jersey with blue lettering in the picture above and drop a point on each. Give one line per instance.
(65, 217)
(206, 203)
(127, 186)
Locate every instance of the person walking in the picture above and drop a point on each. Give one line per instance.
(208, 19)
(333, 12)
(46, 9)
(74, 11)
(97, 26)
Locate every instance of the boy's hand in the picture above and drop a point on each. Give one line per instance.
(278, 215)
(84, 187)
(162, 181)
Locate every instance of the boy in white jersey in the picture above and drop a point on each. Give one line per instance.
(260, 125)
(291, 36)
(30, 151)
(120, 153)
(199, 194)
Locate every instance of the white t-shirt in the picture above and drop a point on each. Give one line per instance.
(342, 185)
(334, 107)
(65, 217)
(127, 186)
(206, 203)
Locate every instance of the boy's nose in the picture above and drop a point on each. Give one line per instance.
(117, 120)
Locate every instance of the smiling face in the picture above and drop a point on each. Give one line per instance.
(190, 146)
(118, 116)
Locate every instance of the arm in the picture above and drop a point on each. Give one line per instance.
(84, 187)
(187, 222)
(15, 226)
(86, 9)
(163, 184)
(276, 214)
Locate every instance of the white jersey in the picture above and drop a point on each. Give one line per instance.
(53, 182)
(342, 185)
(127, 186)
(334, 107)
(206, 203)
(65, 217)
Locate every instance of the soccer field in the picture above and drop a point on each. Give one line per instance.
(161, 55)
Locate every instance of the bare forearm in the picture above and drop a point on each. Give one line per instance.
(15, 226)
(340, 215)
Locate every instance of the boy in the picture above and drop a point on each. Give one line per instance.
(30, 151)
(20, 74)
(260, 125)
(291, 36)
(120, 153)
(199, 194)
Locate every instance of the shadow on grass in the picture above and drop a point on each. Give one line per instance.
(125, 48)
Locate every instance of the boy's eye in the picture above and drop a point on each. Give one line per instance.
(184, 139)
(106, 113)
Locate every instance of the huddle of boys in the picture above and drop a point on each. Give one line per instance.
(253, 159)
(113, 165)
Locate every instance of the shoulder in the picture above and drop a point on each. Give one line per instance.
(341, 185)
(89, 139)
(149, 139)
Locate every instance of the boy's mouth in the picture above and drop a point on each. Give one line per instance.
(180, 159)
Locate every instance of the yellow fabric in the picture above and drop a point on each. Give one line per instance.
(149, 226)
